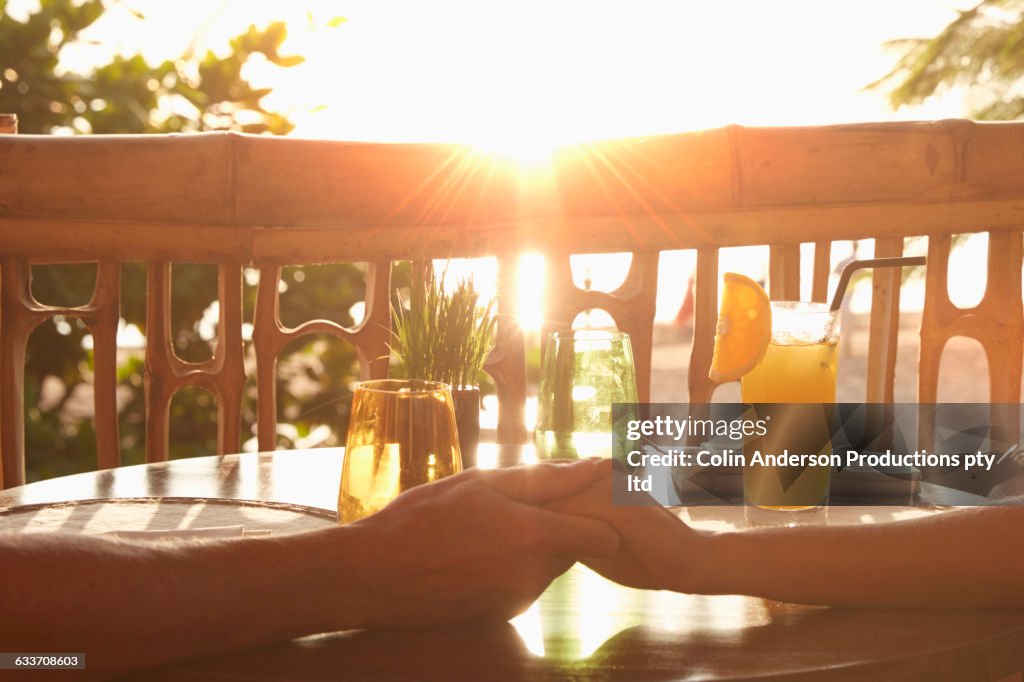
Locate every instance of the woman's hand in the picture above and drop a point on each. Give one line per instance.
(657, 550)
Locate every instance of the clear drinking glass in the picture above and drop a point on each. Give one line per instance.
(583, 373)
(401, 433)
(798, 368)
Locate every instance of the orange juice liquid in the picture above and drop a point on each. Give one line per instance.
(791, 372)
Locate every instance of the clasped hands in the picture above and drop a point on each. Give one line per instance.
(484, 544)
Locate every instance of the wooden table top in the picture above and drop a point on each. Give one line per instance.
(583, 627)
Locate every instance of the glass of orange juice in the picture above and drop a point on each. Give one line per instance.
(797, 368)
(401, 434)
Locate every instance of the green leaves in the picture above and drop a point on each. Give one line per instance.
(79, 18)
(293, 60)
(266, 42)
(127, 94)
(982, 49)
(444, 336)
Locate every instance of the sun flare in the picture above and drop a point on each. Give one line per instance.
(530, 151)
(520, 81)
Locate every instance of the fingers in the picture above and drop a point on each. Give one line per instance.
(595, 502)
(544, 482)
(573, 536)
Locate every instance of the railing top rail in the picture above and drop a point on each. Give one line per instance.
(295, 200)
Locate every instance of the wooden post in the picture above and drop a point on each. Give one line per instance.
(885, 324)
(822, 269)
(507, 362)
(104, 312)
(8, 442)
(16, 324)
(705, 319)
(784, 272)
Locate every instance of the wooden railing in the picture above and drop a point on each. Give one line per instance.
(236, 200)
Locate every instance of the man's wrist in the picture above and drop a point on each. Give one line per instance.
(340, 561)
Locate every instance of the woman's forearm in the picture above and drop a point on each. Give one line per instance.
(964, 558)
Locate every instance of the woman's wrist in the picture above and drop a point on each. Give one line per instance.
(713, 563)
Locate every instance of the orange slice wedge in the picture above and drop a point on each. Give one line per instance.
(744, 328)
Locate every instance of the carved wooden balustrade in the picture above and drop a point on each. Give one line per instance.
(236, 200)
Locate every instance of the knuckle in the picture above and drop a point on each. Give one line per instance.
(468, 491)
(475, 475)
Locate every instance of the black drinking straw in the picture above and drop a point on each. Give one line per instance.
(854, 266)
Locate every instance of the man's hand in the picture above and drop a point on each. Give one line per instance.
(657, 550)
(479, 545)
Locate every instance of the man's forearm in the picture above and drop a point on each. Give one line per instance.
(473, 546)
(130, 606)
(964, 558)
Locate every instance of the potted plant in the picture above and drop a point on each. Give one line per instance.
(446, 336)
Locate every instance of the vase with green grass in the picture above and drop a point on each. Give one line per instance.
(445, 334)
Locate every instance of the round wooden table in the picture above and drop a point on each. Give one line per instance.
(583, 627)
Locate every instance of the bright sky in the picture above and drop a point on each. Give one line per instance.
(560, 70)
(508, 74)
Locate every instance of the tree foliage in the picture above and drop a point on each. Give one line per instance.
(192, 93)
(982, 49)
(129, 95)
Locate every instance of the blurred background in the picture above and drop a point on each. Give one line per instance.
(518, 78)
